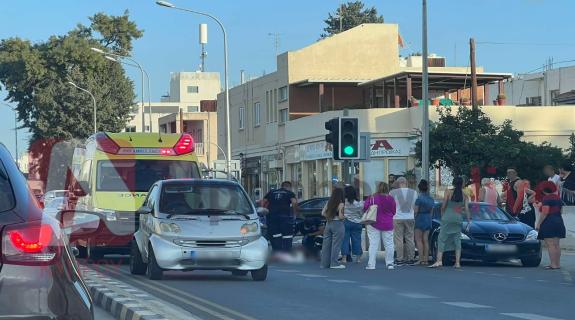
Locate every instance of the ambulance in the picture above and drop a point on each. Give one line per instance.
(113, 173)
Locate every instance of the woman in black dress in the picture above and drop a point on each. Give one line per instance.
(550, 225)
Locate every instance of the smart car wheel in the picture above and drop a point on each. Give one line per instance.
(260, 274)
(239, 273)
(531, 262)
(137, 265)
(154, 272)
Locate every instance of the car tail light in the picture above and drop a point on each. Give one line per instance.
(33, 243)
(105, 144)
(184, 145)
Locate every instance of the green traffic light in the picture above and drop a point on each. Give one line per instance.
(348, 150)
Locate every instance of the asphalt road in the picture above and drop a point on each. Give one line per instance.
(497, 291)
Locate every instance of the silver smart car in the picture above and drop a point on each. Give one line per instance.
(193, 224)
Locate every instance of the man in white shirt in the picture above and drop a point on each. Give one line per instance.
(552, 176)
(404, 222)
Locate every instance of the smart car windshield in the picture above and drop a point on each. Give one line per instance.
(487, 213)
(202, 199)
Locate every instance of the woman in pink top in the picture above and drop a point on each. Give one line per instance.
(383, 227)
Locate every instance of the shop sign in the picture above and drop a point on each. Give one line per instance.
(315, 151)
(390, 147)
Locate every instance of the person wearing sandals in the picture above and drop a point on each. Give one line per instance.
(455, 204)
(334, 230)
(550, 225)
(423, 209)
(383, 226)
(352, 211)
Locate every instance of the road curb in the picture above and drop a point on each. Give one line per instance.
(125, 302)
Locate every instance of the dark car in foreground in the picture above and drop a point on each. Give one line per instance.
(39, 277)
(492, 236)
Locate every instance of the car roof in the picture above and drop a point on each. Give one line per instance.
(207, 182)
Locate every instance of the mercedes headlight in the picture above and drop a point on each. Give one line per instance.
(532, 235)
(110, 215)
(464, 236)
(167, 228)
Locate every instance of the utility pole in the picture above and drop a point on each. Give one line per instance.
(341, 18)
(474, 102)
(425, 93)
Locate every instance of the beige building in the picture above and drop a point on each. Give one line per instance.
(277, 120)
(187, 90)
(189, 107)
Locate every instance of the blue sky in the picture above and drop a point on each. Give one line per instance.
(532, 30)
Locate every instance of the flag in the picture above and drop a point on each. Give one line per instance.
(400, 41)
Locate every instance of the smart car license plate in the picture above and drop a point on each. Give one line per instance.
(501, 248)
(211, 255)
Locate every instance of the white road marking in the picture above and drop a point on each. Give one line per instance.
(416, 295)
(341, 281)
(311, 275)
(467, 305)
(374, 287)
(518, 277)
(529, 316)
(479, 272)
(286, 270)
(541, 280)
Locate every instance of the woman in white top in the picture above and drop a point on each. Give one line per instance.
(353, 210)
(488, 193)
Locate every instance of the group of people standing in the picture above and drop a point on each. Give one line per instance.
(403, 220)
(404, 217)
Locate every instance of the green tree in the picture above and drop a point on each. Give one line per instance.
(36, 77)
(465, 140)
(352, 15)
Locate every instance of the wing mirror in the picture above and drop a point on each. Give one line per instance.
(81, 189)
(262, 211)
(144, 210)
(78, 224)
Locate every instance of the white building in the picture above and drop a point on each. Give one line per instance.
(538, 89)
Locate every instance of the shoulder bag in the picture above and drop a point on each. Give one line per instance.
(370, 215)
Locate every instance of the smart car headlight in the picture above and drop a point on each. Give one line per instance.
(167, 228)
(532, 235)
(249, 228)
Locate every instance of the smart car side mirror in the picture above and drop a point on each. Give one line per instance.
(144, 210)
(262, 211)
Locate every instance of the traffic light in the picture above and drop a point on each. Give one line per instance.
(333, 136)
(348, 138)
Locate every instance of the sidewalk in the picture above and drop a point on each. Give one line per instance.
(568, 244)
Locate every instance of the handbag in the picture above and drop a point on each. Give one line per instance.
(370, 215)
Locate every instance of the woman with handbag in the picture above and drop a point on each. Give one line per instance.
(382, 205)
(334, 230)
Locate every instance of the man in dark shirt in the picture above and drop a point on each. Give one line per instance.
(282, 206)
(510, 193)
(568, 183)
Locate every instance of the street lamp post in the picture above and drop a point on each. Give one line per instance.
(425, 93)
(93, 99)
(15, 133)
(226, 89)
(147, 80)
(98, 50)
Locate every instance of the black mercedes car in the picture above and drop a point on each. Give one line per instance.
(493, 236)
